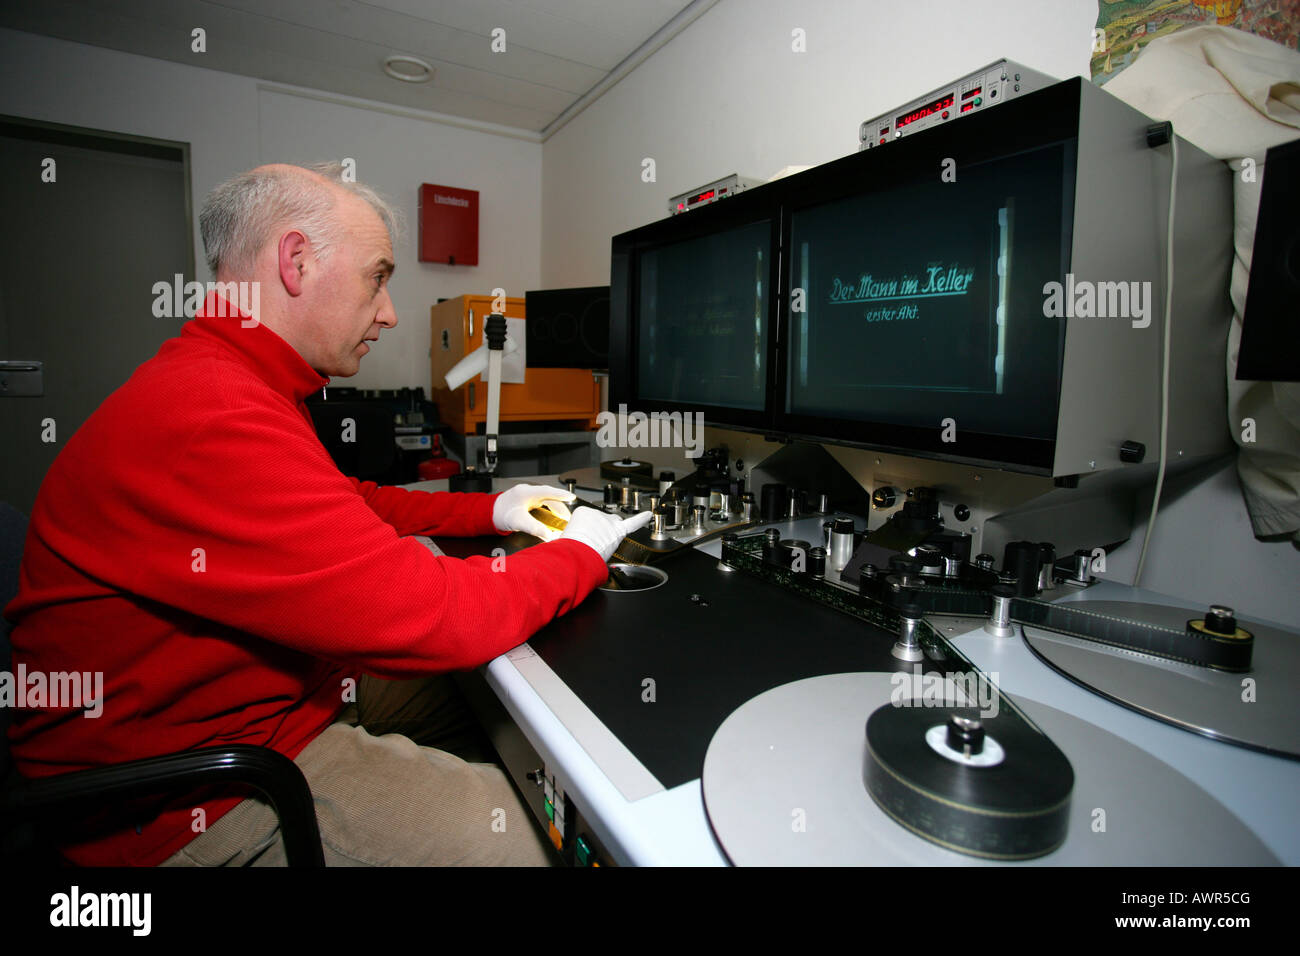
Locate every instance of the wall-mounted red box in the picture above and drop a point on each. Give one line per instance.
(448, 225)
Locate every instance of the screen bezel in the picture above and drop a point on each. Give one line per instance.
(996, 134)
(1030, 122)
(744, 209)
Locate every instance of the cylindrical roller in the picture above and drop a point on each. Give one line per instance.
(794, 504)
(1046, 565)
(1021, 559)
(699, 517)
(659, 525)
(930, 559)
(999, 623)
(1082, 565)
(908, 645)
(774, 498)
(841, 549)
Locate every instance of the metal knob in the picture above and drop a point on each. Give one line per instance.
(999, 622)
(908, 645)
(965, 734)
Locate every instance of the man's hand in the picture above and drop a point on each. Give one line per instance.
(602, 532)
(510, 512)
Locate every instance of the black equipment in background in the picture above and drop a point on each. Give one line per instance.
(568, 328)
(1269, 326)
(390, 433)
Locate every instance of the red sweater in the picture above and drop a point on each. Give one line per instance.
(195, 543)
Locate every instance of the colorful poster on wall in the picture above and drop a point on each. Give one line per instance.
(1129, 25)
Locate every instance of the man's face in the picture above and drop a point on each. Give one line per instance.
(350, 300)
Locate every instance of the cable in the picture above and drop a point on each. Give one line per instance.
(1164, 362)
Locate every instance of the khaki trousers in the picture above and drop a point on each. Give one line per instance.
(385, 796)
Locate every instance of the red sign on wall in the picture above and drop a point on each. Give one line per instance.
(448, 225)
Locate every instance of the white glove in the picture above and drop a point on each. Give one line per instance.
(602, 532)
(510, 511)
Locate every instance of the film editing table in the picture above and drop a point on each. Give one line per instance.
(719, 719)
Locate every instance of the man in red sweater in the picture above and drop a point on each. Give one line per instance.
(196, 545)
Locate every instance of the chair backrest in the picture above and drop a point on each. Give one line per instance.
(13, 531)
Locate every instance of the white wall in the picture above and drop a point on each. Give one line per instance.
(233, 123)
(729, 95)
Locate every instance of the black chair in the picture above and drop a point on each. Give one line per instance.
(30, 809)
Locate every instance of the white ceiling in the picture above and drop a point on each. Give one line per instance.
(556, 50)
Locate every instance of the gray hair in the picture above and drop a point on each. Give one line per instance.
(242, 214)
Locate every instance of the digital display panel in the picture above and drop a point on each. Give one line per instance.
(942, 103)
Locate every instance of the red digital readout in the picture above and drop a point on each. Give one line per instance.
(969, 93)
(922, 112)
(701, 197)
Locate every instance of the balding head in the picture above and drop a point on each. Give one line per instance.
(245, 213)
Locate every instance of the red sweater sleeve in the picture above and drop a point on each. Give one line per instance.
(293, 552)
(423, 512)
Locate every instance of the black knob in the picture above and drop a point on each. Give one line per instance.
(842, 526)
(961, 513)
(774, 498)
(884, 497)
(965, 734)
(611, 495)
(817, 562)
(669, 476)
(910, 611)
(1132, 452)
(1021, 559)
(930, 558)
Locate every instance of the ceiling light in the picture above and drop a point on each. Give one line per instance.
(408, 69)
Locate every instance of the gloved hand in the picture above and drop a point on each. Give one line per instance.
(602, 532)
(510, 511)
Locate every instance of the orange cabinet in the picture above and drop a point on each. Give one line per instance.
(546, 394)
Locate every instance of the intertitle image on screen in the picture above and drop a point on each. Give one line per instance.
(919, 302)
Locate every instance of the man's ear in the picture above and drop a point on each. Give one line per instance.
(293, 254)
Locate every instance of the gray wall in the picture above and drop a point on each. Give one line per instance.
(234, 123)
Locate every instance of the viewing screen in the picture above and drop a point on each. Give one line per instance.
(925, 302)
(702, 319)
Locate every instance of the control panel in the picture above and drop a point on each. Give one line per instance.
(983, 89)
